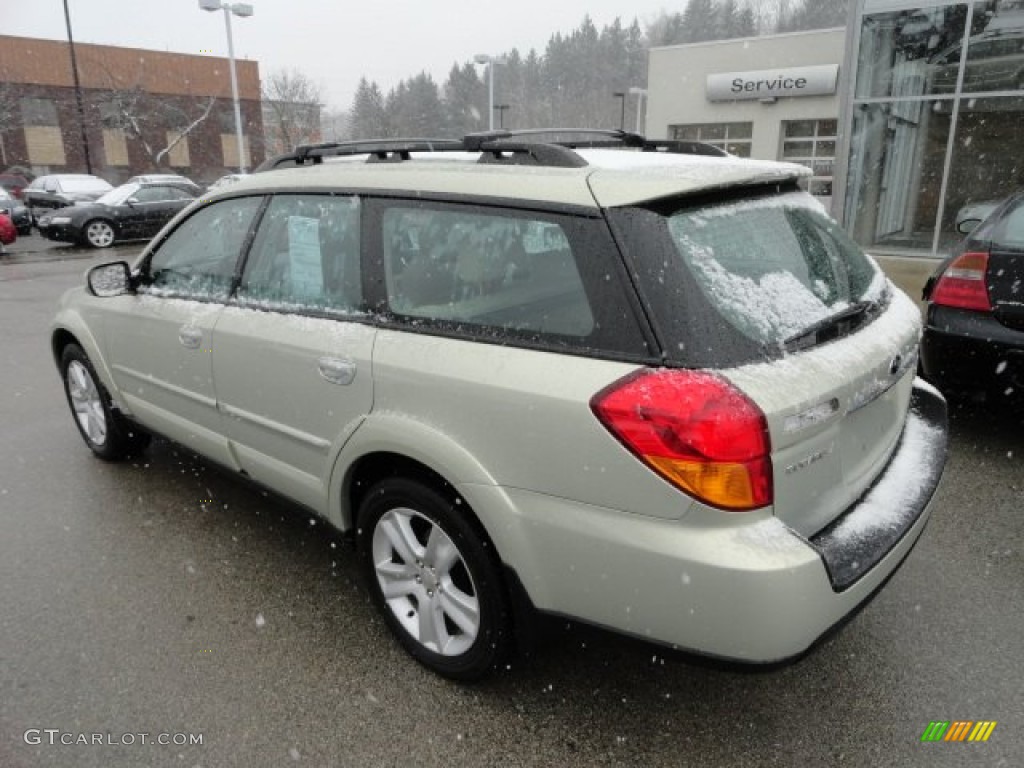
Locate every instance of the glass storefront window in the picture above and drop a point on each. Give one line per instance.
(995, 50)
(894, 181)
(937, 121)
(987, 163)
(914, 52)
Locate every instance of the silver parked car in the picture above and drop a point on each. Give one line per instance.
(578, 374)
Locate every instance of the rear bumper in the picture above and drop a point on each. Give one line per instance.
(966, 351)
(740, 587)
(858, 539)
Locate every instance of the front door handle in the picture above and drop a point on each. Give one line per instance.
(190, 337)
(337, 370)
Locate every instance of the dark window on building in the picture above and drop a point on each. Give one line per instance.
(734, 138)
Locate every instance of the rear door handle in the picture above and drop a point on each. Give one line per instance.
(190, 337)
(337, 370)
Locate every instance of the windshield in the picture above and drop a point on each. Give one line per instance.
(118, 195)
(773, 266)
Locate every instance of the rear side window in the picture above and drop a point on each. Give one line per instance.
(547, 279)
(484, 269)
(773, 266)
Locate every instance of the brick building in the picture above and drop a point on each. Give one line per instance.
(145, 111)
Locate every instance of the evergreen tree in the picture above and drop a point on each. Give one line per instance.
(570, 84)
(666, 29)
(699, 21)
(464, 96)
(368, 118)
(814, 14)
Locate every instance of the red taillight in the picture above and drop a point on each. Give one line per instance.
(696, 430)
(962, 284)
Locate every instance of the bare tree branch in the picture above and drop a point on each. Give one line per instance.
(141, 115)
(186, 131)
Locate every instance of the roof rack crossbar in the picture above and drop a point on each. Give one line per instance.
(528, 153)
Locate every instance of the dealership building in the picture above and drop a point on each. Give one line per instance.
(906, 116)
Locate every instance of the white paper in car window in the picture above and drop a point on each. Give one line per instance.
(305, 260)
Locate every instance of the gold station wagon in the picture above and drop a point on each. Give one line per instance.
(637, 383)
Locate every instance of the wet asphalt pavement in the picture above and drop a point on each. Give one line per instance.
(164, 597)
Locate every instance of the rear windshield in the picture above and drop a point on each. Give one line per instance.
(773, 266)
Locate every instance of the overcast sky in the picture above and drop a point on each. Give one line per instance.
(333, 42)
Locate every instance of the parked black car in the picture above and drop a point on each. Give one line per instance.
(17, 212)
(62, 189)
(974, 332)
(129, 212)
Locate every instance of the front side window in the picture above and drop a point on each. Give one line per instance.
(773, 266)
(198, 259)
(502, 272)
(161, 194)
(306, 253)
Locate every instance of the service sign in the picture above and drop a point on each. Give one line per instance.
(774, 83)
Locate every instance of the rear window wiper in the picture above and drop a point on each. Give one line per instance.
(837, 324)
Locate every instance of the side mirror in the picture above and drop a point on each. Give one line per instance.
(967, 226)
(105, 280)
(132, 200)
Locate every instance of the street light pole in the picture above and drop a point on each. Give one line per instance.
(242, 10)
(78, 91)
(483, 58)
(234, 91)
(621, 96)
(640, 93)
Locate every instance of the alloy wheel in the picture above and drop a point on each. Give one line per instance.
(87, 403)
(425, 582)
(99, 234)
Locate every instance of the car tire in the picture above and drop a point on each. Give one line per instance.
(98, 233)
(435, 578)
(107, 433)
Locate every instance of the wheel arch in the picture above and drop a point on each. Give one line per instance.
(62, 335)
(391, 444)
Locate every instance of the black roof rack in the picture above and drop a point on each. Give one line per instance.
(573, 138)
(552, 147)
(380, 150)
